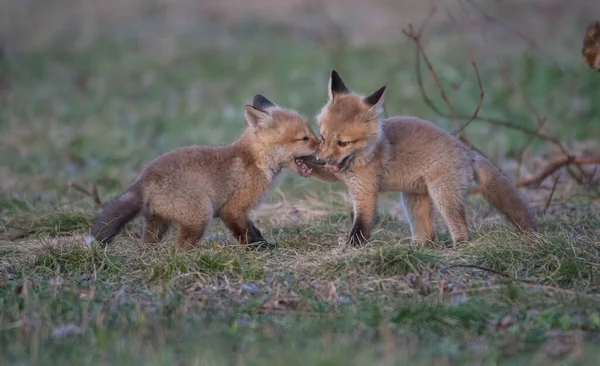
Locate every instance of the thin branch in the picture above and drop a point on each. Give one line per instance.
(93, 193)
(551, 195)
(532, 286)
(416, 37)
(503, 274)
(553, 167)
(481, 96)
(479, 81)
(521, 152)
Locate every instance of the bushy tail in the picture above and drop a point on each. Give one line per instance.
(116, 214)
(498, 189)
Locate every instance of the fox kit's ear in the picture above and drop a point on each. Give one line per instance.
(256, 118)
(375, 102)
(336, 85)
(376, 98)
(262, 103)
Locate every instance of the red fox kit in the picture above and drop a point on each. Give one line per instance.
(190, 186)
(408, 155)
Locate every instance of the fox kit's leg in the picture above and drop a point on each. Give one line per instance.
(449, 198)
(153, 228)
(418, 209)
(192, 220)
(243, 230)
(235, 216)
(365, 207)
(187, 236)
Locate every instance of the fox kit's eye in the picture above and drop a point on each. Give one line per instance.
(343, 143)
(305, 138)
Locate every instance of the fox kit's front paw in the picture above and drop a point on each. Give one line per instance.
(360, 232)
(357, 241)
(357, 238)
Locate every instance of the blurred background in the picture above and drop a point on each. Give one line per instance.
(92, 90)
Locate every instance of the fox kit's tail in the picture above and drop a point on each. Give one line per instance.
(116, 213)
(502, 193)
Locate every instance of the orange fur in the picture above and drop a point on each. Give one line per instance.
(191, 185)
(409, 155)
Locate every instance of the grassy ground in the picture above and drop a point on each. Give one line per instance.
(96, 115)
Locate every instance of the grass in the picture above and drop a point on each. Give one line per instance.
(95, 115)
(300, 302)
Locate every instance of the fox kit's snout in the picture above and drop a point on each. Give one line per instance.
(190, 186)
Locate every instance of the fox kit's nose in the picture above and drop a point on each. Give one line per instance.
(315, 143)
(332, 161)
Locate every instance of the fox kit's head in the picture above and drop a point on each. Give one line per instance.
(349, 125)
(283, 136)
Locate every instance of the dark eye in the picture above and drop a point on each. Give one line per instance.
(305, 138)
(342, 143)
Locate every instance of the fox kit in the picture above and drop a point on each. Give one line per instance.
(408, 155)
(190, 186)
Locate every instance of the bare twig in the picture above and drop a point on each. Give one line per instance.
(551, 194)
(481, 96)
(476, 69)
(416, 37)
(93, 193)
(568, 158)
(521, 152)
(549, 170)
(553, 167)
(503, 274)
(532, 286)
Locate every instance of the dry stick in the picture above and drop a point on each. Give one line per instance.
(575, 177)
(416, 37)
(551, 194)
(93, 193)
(540, 119)
(571, 159)
(549, 170)
(533, 44)
(481, 96)
(521, 151)
(528, 285)
(554, 166)
(428, 101)
(503, 274)
(479, 82)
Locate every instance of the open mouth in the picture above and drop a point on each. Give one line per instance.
(342, 165)
(302, 164)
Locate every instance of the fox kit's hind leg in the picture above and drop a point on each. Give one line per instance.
(192, 221)
(153, 228)
(449, 199)
(187, 236)
(418, 209)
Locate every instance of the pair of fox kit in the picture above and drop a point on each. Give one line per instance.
(190, 186)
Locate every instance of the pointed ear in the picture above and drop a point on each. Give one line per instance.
(262, 103)
(376, 98)
(256, 118)
(336, 85)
